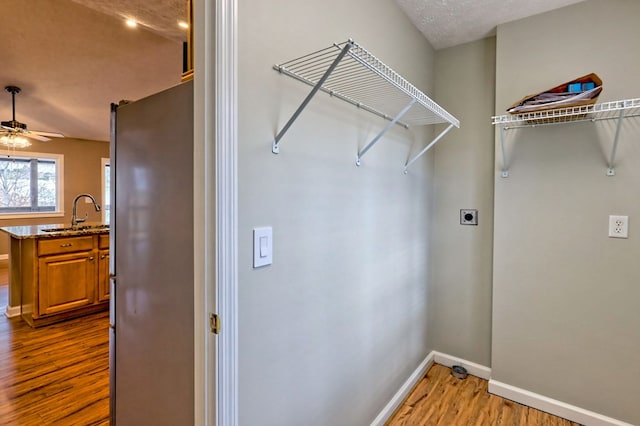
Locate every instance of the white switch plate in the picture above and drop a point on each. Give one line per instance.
(262, 246)
(619, 226)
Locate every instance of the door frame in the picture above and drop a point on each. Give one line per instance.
(215, 211)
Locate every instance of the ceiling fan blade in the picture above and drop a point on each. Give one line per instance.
(31, 135)
(47, 134)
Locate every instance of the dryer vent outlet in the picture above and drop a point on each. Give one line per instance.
(468, 217)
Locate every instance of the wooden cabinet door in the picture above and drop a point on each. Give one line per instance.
(103, 275)
(66, 282)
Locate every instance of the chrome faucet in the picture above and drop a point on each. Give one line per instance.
(74, 216)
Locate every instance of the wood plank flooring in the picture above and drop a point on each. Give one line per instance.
(54, 375)
(441, 399)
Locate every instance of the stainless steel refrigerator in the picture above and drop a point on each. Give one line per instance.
(152, 337)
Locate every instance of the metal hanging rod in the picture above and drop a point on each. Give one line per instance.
(615, 110)
(348, 72)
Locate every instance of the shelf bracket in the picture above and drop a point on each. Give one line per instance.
(276, 147)
(505, 165)
(385, 130)
(611, 171)
(426, 148)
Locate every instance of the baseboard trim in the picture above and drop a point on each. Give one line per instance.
(552, 406)
(12, 311)
(471, 367)
(404, 391)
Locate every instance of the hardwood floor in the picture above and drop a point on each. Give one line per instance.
(441, 399)
(54, 375)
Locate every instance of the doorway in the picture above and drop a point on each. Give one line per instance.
(45, 97)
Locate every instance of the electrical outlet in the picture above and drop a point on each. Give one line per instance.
(619, 226)
(468, 217)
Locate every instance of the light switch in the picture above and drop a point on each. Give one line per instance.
(262, 246)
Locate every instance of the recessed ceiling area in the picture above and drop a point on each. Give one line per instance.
(72, 62)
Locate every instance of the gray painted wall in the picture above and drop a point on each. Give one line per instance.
(460, 295)
(334, 327)
(565, 296)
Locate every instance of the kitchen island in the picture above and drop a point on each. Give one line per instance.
(57, 272)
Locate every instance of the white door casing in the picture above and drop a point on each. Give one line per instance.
(215, 205)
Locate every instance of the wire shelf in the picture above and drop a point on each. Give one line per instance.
(615, 110)
(350, 73)
(594, 112)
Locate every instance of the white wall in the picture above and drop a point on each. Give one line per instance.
(332, 329)
(460, 295)
(565, 297)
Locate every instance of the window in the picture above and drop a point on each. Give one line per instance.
(31, 185)
(106, 190)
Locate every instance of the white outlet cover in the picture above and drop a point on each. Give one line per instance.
(618, 226)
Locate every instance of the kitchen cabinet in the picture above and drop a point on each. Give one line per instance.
(60, 275)
(65, 282)
(103, 268)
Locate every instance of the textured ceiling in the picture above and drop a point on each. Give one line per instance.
(159, 16)
(447, 23)
(72, 62)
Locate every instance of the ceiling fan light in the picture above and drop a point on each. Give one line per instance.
(14, 141)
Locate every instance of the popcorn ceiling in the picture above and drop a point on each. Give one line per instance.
(447, 23)
(159, 16)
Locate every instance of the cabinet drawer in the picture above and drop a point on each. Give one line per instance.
(64, 245)
(103, 241)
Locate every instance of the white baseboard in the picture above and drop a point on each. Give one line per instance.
(471, 367)
(404, 391)
(12, 311)
(552, 406)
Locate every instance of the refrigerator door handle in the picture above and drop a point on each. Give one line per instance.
(112, 302)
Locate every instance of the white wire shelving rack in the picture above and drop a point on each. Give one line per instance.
(350, 73)
(615, 110)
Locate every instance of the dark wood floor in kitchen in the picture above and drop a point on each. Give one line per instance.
(54, 375)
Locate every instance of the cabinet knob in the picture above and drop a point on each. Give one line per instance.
(91, 258)
(103, 256)
(66, 245)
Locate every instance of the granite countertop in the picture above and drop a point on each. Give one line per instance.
(55, 230)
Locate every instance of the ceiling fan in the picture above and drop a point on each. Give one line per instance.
(13, 133)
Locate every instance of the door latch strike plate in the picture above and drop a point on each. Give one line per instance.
(214, 323)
